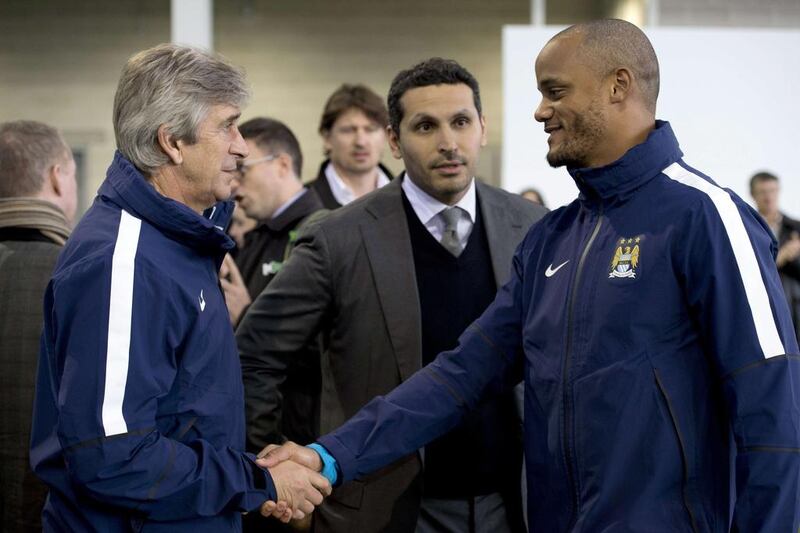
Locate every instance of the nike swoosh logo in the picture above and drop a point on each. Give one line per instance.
(202, 302)
(550, 270)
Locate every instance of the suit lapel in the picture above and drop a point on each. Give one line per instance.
(388, 245)
(502, 232)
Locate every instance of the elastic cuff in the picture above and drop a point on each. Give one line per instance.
(329, 469)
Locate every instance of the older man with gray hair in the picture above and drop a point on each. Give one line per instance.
(37, 203)
(139, 415)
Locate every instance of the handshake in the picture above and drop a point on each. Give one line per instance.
(299, 486)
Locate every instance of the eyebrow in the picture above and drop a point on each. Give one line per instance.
(549, 82)
(425, 116)
(231, 118)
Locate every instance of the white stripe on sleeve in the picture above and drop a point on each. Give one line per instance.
(755, 290)
(119, 324)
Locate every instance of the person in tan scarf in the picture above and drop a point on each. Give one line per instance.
(38, 200)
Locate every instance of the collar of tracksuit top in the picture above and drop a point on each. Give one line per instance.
(618, 181)
(126, 187)
(599, 187)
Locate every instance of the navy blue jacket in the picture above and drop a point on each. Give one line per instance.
(647, 320)
(138, 419)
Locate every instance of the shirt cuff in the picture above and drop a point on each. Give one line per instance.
(329, 467)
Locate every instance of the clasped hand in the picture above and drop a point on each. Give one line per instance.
(299, 485)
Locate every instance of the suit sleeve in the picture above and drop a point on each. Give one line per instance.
(791, 268)
(487, 361)
(113, 352)
(735, 296)
(276, 331)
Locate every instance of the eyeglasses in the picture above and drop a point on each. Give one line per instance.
(243, 165)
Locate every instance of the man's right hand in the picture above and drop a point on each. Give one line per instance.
(274, 454)
(299, 490)
(789, 251)
(236, 296)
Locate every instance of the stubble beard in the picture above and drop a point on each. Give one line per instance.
(588, 131)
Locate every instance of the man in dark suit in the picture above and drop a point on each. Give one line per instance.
(268, 188)
(38, 199)
(389, 281)
(765, 190)
(353, 130)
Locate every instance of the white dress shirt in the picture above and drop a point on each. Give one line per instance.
(428, 208)
(343, 194)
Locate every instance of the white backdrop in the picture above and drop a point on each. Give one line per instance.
(731, 95)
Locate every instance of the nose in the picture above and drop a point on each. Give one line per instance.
(543, 111)
(447, 141)
(361, 137)
(238, 146)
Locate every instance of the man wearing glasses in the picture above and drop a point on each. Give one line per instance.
(268, 189)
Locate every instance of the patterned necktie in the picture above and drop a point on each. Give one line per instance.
(450, 239)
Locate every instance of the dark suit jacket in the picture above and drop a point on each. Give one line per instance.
(26, 263)
(267, 243)
(790, 272)
(323, 189)
(352, 278)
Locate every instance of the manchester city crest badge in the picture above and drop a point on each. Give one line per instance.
(625, 263)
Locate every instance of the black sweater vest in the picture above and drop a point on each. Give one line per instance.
(483, 455)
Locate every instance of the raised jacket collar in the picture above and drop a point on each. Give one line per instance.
(616, 181)
(304, 205)
(125, 186)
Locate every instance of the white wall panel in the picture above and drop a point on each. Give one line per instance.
(730, 95)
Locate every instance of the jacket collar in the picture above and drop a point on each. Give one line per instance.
(125, 186)
(303, 206)
(618, 180)
(324, 165)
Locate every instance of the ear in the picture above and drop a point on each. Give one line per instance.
(169, 144)
(621, 85)
(394, 143)
(54, 179)
(484, 133)
(326, 142)
(284, 163)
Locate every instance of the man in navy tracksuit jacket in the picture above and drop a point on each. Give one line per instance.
(646, 319)
(139, 412)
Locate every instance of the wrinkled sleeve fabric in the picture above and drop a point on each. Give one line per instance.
(487, 361)
(734, 295)
(113, 353)
(276, 331)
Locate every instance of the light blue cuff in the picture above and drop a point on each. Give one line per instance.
(329, 469)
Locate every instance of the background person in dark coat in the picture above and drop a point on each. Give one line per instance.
(38, 198)
(353, 130)
(765, 190)
(269, 190)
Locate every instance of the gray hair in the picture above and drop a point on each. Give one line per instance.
(28, 149)
(173, 85)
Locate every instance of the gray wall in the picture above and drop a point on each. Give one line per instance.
(59, 60)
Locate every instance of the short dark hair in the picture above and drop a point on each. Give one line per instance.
(609, 44)
(761, 177)
(349, 97)
(276, 137)
(27, 150)
(433, 71)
